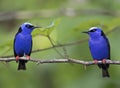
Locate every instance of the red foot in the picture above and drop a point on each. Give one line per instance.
(28, 57)
(17, 58)
(104, 61)
(95, 61)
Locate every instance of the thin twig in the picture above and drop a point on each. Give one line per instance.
(54, 45)
(64, 49)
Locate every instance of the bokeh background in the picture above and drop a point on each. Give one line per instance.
(73, 17)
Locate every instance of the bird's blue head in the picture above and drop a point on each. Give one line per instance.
(95, 32)
(27, 28)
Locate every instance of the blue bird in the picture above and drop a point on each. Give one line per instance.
(100, 48)
(23, 44)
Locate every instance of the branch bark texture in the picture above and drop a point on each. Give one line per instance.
(70, 60)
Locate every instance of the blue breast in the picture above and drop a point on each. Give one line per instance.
(23, 44)
(99, 49)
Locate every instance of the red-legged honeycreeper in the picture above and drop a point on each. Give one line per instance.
(99, 48)
(23, 44)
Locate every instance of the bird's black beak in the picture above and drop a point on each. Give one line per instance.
(37, 27)
(85, 32)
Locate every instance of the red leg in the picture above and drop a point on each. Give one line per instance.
(17, 58)
(28, 57)
(104, 61)
(95, 61)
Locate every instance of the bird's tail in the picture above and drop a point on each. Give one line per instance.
(22, 65)
(105, 73)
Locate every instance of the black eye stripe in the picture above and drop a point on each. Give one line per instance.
(29, 26)
(92, 30)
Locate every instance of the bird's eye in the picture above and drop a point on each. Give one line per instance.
(92, 30)
(29, 26)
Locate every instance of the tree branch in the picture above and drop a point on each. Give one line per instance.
(70, 60)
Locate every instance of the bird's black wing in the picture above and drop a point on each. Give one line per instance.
(14, 47)
(108, 44)
(30, 48)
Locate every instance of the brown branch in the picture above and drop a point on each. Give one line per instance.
(75, 61)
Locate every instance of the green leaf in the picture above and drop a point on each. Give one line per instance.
(47, 30)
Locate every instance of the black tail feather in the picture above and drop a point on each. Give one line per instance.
(104, 68)
(105, 73)
(22, 65)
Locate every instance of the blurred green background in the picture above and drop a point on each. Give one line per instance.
(73, 16)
